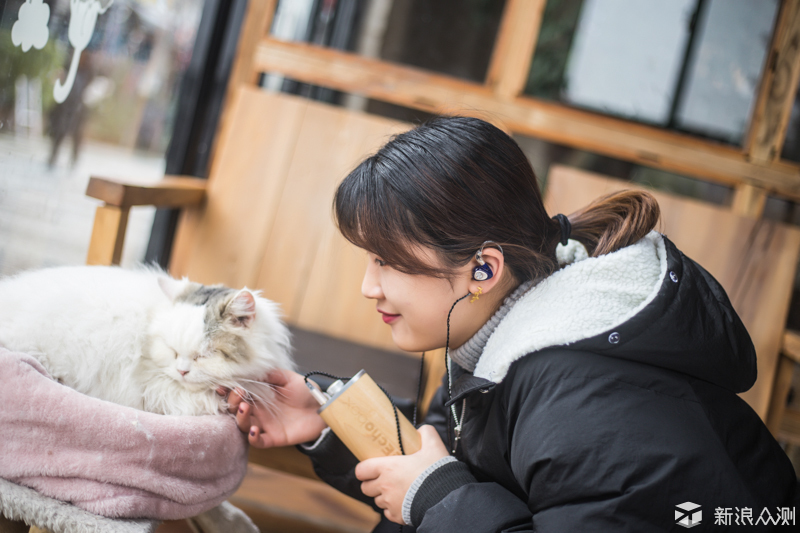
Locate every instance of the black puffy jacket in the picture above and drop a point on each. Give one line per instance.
(595, 407)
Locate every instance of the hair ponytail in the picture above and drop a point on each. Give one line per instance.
(615, 221)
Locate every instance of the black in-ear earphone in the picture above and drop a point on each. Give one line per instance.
(482, 272)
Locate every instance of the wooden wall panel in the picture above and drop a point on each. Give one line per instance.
(304, 210)
(333, 303)
(754, 260)
(268, 220)
(223, 241)
(331, 142)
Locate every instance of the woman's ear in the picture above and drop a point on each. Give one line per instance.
(496, 262)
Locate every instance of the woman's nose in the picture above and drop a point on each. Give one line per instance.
(370, 287)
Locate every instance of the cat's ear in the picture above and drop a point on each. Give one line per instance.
(172, 287)
(241, 310)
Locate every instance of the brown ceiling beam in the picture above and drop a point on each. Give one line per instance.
(419, 89)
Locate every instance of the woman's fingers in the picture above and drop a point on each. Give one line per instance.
(255, 436)
(381, 502)
(427, 432)
(371, 489)
(234, 400)
(368, 469)
(259, 438)
(243, 417)
(431, 441)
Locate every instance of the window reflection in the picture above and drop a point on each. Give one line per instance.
(115, 120)
(689, 65)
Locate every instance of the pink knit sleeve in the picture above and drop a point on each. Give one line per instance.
(108, 459)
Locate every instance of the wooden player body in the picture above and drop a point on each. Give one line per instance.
(361, 415)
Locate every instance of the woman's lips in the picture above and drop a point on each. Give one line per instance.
(388, 318)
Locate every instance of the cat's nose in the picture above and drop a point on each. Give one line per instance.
(183, 372)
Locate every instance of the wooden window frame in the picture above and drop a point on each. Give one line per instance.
(754, 170)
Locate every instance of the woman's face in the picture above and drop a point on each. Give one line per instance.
(416, 306)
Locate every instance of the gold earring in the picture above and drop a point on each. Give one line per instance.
(476, 295)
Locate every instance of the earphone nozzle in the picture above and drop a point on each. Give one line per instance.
(480, 274)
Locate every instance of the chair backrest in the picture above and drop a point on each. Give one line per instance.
(268, 224)
(754, 260)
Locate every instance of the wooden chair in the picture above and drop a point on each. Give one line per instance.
(264, 220)
(782, 420)
(754, 260)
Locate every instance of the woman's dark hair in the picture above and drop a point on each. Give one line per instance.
(455, 182)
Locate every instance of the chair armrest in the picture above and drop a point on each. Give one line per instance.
(172, 191)
(791, 345)
(111, 218)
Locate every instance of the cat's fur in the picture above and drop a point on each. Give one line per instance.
(142, 339)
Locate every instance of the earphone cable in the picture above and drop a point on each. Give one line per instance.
(419, 389)
(447, 366)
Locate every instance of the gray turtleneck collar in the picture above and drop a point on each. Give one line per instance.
(466, 356)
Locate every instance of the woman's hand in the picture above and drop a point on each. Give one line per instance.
(291, 419)
(387, 479)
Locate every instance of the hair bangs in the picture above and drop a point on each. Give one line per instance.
(369, 214)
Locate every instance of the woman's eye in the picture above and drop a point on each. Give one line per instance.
(380, 262)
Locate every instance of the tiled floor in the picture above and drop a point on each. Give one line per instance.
(45, 218)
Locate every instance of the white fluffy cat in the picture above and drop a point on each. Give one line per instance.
(142, 339)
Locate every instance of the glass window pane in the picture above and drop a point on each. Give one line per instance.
(724, 68)
(86, 88)
(631, 72)
(454, 37)
(689, 65)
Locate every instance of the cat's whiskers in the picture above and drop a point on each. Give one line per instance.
(249, 392)
(278, 391)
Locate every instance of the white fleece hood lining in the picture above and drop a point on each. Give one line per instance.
(587, 297)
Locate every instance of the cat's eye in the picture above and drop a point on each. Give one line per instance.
(175, 352)
(225, 354)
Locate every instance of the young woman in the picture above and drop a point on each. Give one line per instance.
(593, 368)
